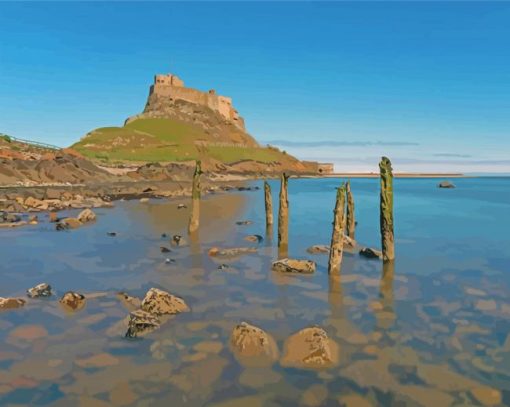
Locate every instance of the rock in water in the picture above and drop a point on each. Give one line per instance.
(254, 238)
(177, 240)
(244, 222)
(370, 253)
(233, 252)
(294, 266)
(144, 200)
(160, 302)
(181, 206)
(40, 290)
(86, 216)
(446, 184)
(141, 323)
(129, 301)
(164, 249)
(252, 345)
(310, 348)
(68, 223)
(11, 303)
(73, 301)
(318, 249)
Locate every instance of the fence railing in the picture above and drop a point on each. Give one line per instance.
(31, 142)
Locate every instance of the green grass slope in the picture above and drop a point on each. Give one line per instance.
(165, 140)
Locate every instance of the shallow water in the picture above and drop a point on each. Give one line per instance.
(433, 331)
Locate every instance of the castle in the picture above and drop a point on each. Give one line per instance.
(172, 87)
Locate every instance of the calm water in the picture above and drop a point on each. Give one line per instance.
(435, 332)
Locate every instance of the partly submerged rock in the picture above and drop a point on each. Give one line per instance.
(244, 222)
(160, 302)
(252, 345)
(294, 266)
(86, 216)
(73, 300)
(232, 252)
(178, 240)
(68, 223)
(141, 323)
(254, 238)
(144, 200)
(370, 253)
(129, 301)
(11, 303)
(164, 249)
(40, 290)
(181, 206)
(6, 217)
(318, 249)
(310, 348)
(446, 184)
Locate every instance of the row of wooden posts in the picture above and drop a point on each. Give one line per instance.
(343, 215)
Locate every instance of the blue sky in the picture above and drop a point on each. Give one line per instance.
(427, 84)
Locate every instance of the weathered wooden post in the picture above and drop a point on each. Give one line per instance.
(337, 237)
(269, 205)
(351, 221)
(386, 210)
(283, 215)
(194, 219)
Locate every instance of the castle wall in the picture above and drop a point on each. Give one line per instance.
(171, 86)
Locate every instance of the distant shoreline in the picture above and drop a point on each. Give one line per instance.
(396, 175)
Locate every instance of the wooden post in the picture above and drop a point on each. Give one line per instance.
(350, 222)
(337, 237)
(269, 205)
(386, 210)
(283, 215)
(194, 219)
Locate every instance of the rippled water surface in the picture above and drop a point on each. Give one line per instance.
(433, 332)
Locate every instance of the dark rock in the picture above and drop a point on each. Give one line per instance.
(446, 184)
(112, 234)
(177, 240)
(244, 222)
(370, 253)
(164, 249)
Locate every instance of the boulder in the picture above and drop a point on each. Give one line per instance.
(370, 253)
(233, 252)
(253, 346)
(11, 303)
(294, 266)
(160, 302)
(254, 238)
(310, 348)
(68, 223)
(73, 300)
(318, 249)
(141, 323)
(86, 216)
(40, 290)
(446, 184)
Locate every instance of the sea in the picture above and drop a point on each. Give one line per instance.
(433, 329)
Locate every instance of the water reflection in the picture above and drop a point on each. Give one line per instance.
(386, 315)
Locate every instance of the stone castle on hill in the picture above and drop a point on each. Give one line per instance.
(172, 87)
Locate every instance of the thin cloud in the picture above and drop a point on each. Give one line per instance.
(336, 143)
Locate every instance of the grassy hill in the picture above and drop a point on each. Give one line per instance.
(166, 140)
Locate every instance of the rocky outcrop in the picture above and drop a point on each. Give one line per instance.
(294, 266)
(11, 303)
(141, 323)
(40, 290)
(310, 348)
(73, 301)
(252, 346)
(159, 302)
